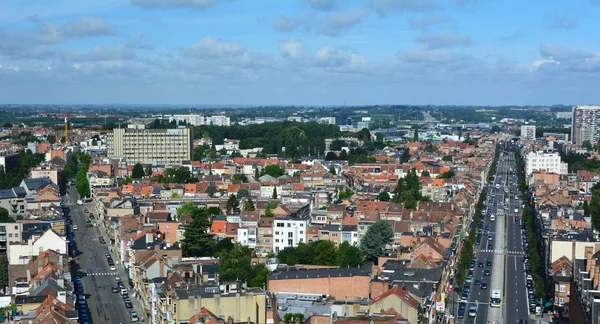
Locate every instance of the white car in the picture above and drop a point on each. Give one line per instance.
(113, 268)
(75, 227)
(133, 316)
(529, 277)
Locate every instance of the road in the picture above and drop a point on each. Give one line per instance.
(517, 304)
(104, 306)
(506, 253)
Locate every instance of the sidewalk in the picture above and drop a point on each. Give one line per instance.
(137, 304)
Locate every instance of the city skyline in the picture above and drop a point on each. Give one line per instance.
(305, 52)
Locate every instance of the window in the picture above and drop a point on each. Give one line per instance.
(289, 225)
(563, 288)
(301, 232)
(10, 235)
(290, 242)
(301, 224)
(290, 235)
(561, 300)
(16, 227)
(555, 287)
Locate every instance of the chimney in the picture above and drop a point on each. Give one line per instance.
(28, 276)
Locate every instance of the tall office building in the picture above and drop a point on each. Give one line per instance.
(585, 124)
(151, 146)
(528, 132)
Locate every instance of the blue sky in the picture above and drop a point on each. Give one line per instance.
(300, 52)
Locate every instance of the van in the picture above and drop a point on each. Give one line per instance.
(492, 218)
(472, 311)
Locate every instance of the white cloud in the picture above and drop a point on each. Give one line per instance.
(443, 39)
(210, 47)
(169, 4)
(291, 49)
(289, 23)
(340, 21)
(386, 7)
(227, 55)
(340, 60)
(325, 5)
(103, 53)
(85, 26)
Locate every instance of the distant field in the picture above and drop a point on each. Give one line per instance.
(485, 110)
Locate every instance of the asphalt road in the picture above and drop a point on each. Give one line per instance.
(516, 302)
(104, 306)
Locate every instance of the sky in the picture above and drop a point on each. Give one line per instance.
(300, 52)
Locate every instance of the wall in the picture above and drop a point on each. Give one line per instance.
(339, 287)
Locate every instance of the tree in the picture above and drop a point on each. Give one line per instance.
(256, 173)
(425, 173)
(249, 205)
(5, 218)
(258, 277)
(138, 171)
(243, 193)
(240, 177)
(233, 204)
(223, 245)
(332, 170)
(331, 156)
(290, 318)
(587, 145)
(197, 242)
(348, 255)
(3, 272)
(416, 135)
(148, 171)
(345, 194)
(383, 196)
(274, 170)
(325, 252)
(275, 193)
(377, 236)
(447, 175)
(405, 157)
(447, 158)
(215, 211)
(344, 155)
(234, 264)
(7, 125)
(364, 135)
(51, 138)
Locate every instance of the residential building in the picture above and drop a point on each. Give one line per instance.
(559, 137)
(289, 232)
(9, 161)
(21, 253)
(585, 124)
(528, 132)
(47, 170)
(191, 119)
(544, 160)
(151, 146)
(218, 121)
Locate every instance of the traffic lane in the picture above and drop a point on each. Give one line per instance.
(517, 301)
(103, 304)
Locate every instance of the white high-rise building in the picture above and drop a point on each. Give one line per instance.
(585, 124)
(288, 232)
(218, 121)
(151, 146)
(545, 160)
(194, 120)
(528, 132)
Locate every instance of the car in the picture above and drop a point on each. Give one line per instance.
(113, 268)
(467, 289)
(469, 278)
(462, 307)
(473, 311)
(117, 278)
(490, 237)
(115, 289)
(128, 305)
(529, 277)
(107, 254)
(488, 263)
(464, 298)
(486, 272)
(101, 239)
(472, 267)
(477, 282)
(480, 265)
(133, 316)
(490, 246)
(75, 227)
(483, 285)
(478, 241)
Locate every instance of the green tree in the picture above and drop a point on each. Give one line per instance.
(249, 205)
(138, 171)
(364, 135)
(587, 145)
(233, 204)
(405, 157)
(243, 193)
(51, 138)
(332, 170)
(275, 193)
(5, 218)
(234, 264)
(325, 252)
(383, 196)
(348, 255)
(215, 211)
(290, 318)
(240, 177)
(256, 173)
(148, 171)
(447, 175)
(345, 194)
(425, 173)
(416, 135)
(3, 271)
(343, 155)
(331, 156)
(258, 277)
(197, 242)
(377, 236)
(274, 170)
(447, 158)
(223, 245)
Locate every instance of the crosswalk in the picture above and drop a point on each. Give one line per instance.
(501, 252)
(103, 274)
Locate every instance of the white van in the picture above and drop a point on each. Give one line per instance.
(492, 218)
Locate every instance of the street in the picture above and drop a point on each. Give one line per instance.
(104, 305)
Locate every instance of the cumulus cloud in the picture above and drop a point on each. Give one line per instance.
(84, 26)
(443, 39)
(340, 60)
(385, 7)
(289, 24)
(291, 49)
(426, 22)
(435, 58)
(170, 4)
(227, 54)
(570, 60)
(559, 53)
(325, 5)
(103, 53)
(22, 46)
(137, 41)
(339, 21)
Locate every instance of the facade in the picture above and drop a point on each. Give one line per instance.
(564, 115)
(528, 132)
(545, 160)
(585, 124)
(10, 161)
(21, 253)
(47, 171)
(218, 121)
(194, 120)
(151, 146)
(289, 232)
(558, 136)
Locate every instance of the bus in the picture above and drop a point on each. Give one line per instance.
(496, 298)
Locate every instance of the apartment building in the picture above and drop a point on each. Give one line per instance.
(563, 138)
(545, 160)
(151, 146)
(46, 170)
(9, 161)
(585, 124)
(289, 232)
(528, 132)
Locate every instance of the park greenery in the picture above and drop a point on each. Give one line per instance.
(13, 177)
(82, 183)
(408, 190)
(321, 253)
